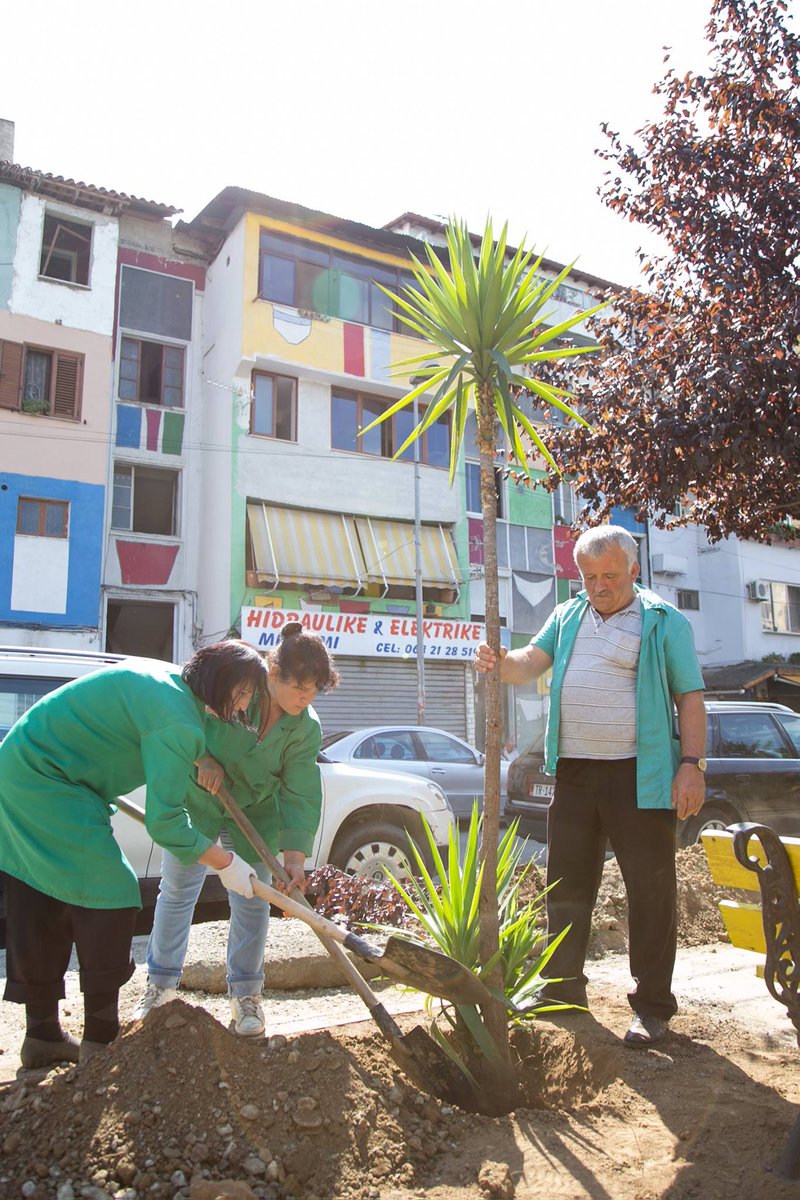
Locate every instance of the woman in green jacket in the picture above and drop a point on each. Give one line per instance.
(67, 880)
(274, 777)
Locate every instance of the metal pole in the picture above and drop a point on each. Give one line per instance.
(418, 582)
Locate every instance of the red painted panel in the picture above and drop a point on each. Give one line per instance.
(166, 266)
(563, 541)
(354, 349)
(475, 534)
(153, 425)
(143, 562)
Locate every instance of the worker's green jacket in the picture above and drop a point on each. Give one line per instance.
(276, 782)
(78, 748)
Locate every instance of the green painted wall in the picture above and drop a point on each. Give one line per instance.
(10, 201)
(530, 506)
(562, 590)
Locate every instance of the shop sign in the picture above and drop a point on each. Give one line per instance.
(362, 635)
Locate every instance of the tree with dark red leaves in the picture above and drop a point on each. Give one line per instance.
(695, 397)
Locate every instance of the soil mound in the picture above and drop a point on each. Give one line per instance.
(699, 920)
(178, 1104)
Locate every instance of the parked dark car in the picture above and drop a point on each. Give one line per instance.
(753, 773)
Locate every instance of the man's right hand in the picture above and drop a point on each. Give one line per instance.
(485, 658)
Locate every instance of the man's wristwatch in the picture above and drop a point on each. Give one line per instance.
(700, 763)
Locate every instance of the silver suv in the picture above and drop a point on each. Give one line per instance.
(366, 815)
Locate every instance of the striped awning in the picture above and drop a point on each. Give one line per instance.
(294, 545)
(389, 556)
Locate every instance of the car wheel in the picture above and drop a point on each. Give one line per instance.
(376, 851)
(711, 816)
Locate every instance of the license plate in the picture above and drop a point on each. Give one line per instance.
(545, 790)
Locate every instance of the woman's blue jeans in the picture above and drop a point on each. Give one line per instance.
(247, 934)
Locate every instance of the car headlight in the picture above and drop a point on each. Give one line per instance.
(438, 793)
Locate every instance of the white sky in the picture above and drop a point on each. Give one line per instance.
(361, 108)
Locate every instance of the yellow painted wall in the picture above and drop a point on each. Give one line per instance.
(314, 341)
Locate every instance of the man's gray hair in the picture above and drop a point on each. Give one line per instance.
(602, 538)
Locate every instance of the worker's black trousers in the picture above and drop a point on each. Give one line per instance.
(595, 800)
(40, 934)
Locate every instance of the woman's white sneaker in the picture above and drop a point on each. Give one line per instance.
(153, 997)
(247, 1016)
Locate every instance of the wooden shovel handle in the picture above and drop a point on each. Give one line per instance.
(302, 903)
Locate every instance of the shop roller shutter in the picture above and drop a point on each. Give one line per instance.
(384, 691)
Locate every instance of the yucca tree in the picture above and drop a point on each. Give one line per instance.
(485, 312)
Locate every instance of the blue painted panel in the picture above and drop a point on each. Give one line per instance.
(10, 200)
(86, 503)
(129, 426)
(627, 519)
(380, 354)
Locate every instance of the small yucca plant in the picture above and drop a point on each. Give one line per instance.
(445, 901)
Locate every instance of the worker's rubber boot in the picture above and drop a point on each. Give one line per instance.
(36, 1052)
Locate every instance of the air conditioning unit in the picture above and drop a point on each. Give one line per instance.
(758, 590)
(670, 564)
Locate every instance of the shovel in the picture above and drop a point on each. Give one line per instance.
(416, 1053)
(416, 966)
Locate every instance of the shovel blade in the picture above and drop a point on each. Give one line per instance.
(432, 972)
(429, 1068)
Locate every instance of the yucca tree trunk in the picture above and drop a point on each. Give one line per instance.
(496, 1020)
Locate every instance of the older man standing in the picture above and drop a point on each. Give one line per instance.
(620, 657)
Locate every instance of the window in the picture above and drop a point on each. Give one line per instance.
(472, 475)
(42, 518)
(439, 748)
(273, 412)
(40, 381)
(791, 727)
(321, 280)
(17, 695)
(156, 303)
(144, 500)
(394, 746)
(781, 612)
(66, 250)
(688, 599)
(750, 735)
(351, 412)
(151, 373)
(565, 504)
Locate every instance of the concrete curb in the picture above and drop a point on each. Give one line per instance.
(295, 958)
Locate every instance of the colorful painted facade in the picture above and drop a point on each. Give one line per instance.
(97, 322)
(56, 321)
(316, 513)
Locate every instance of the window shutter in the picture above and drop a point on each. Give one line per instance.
(10, 373)
(66, 397)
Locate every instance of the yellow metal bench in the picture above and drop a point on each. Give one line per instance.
(754, 858)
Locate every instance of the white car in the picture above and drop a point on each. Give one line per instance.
(367, 815)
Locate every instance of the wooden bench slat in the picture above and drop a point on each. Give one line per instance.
(744, 924)
(726, 870)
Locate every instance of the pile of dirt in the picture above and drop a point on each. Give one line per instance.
(699, 920)
(178, 1104)
(179, 1108)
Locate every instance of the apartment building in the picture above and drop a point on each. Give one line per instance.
(305, 513)
(99, 312)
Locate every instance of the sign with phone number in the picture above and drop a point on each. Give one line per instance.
(367, 635)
